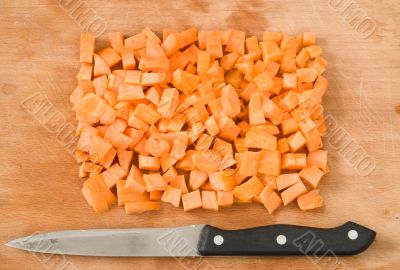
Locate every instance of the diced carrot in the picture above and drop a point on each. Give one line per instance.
(296, 141)
(141, 207)
(167, 162)
(270, 51)
(229, 60)
(130, 92)
(256, 114)
(113, 174)
(236, 42)
(318, 158)
(117, 41)
(302, 58)
(85, 72)
(221, 180)
(191, 200)
(271, 110)
(311, 175)
(247, 163)
(179, 182)
(239, 145)
(156, 195)
(154, 64)
(194, 126)
(228, 130)
(248, 189)
(293, 161)
(154, 181)
(94, 197)
(314, 51)
(135, 180)
(289, 101)
(154, 49)
(283, 145)
(179, 146)
(293, 192)
(186, 163)
(169, 102)
(124, 159)
(185, 81)
(214, 46)
(147, 114)
(272, 202)
(209, 200)
(289, 80)
(289, 126)
(224, 198)
(110, 56)
(269, 162)
(86, 48)
(136, 42)
(197, 179)
(203, 142)
(129, 194)
(284, 181)
(128, 59)
(208, 161)
(230, 101)
(149, 163)
(288, 60)
(157, 146)
(260, 139)
(171, 44)
(252, 47)
(104, 190)
(172, 196)
(306, 74)
(310, 200)
(100, 66)
(170, 174)
(118, 139)
(187, 37)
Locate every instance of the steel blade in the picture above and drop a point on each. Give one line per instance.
(157, 242)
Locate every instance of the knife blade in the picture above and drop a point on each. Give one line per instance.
(202, 240)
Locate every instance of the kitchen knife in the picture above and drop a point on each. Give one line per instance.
(202, 240)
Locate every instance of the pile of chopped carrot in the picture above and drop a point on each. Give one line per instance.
(202, 119)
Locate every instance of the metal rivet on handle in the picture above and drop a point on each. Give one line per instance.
(281, 239)
(218, 240)
(352, 234)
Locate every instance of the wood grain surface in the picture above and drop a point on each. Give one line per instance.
(40, 188)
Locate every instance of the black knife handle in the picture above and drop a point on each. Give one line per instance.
(348, 239)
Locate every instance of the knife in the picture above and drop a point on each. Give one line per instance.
(202, 240)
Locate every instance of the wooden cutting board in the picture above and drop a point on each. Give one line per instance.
(39, 186)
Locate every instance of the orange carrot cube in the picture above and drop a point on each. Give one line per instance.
(149, 163)
(293, 192)
(284, 181)
(154, 182)
(310, 200)
(191, 200)
(311, 175)
(283, 146)
(172, 196)
(209, 200)
(224, 198)
(270, 162)
(318, 158)
(293, 161)
(86, 48)
(296, 141)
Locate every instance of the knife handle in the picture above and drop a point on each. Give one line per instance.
(348, 239)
